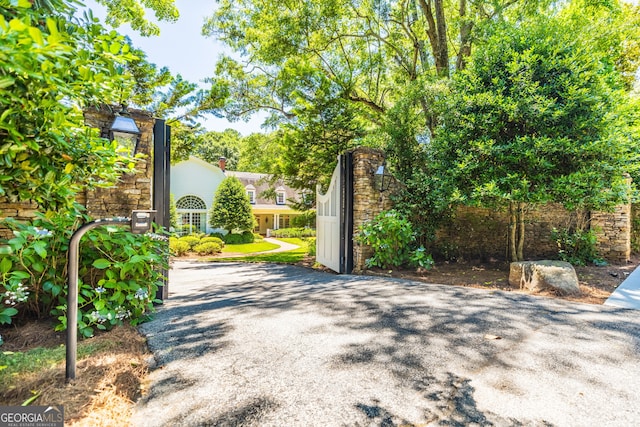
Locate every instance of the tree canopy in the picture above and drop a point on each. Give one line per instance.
(531, 120)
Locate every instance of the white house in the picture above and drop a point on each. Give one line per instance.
(194, 183)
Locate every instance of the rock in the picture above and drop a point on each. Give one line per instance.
(538, 276)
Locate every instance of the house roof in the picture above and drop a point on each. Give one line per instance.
(261, 183)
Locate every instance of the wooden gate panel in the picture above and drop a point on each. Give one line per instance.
(328, 224)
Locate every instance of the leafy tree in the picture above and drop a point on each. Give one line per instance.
(213, 145)
(260, 152)
(231, 209)
(133, 12)
(51, 69)
(529, 122)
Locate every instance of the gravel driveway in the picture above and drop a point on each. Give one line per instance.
(272, 345)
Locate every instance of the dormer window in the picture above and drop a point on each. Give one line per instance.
(251, 192)
(280, 196)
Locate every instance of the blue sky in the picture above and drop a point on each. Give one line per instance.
(184, 50)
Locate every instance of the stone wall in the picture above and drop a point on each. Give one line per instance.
(481, 233)
(22, 211)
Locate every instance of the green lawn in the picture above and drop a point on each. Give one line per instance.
(289, 257)
(249, 248)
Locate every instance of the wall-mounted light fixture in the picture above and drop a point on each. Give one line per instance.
(382, 178)
(125, 131)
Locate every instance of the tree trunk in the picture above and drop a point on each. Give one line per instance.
(520, 249)
(465, 36)
(442, 58)
(437, 33)
(513, 221)
(516, 230)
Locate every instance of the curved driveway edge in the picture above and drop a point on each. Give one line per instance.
(275, 345)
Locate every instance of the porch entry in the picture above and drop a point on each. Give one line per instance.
(334, 219)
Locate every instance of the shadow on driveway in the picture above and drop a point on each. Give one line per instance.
(260, 344)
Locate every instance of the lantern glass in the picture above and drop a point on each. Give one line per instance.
(382, 178)
(125, 132)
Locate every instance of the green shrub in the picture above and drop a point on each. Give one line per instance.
(247, 237)
(577, 247)
(119, 272)
(178, 247)
(307, 219)
(392, 238)
(191, 240)
(218, 235)
(233, 239)
(217, 240)
(311, 243)
(208, 248)
(257, 237)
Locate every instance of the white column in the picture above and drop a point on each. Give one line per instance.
(276, 221)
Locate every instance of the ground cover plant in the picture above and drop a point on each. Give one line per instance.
(119, 272)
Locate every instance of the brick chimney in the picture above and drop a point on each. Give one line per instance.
(222, 163)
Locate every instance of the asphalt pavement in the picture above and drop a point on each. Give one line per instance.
(274, 345)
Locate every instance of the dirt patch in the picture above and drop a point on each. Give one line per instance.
(107, 382)
(596, 282)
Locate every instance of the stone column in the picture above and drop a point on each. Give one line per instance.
(368, 201)
(614, 232)
(133, 190)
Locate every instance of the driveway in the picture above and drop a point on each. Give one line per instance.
(272, 345)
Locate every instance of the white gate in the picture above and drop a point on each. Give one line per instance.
(334, 245)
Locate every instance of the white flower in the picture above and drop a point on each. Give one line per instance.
(141, 294)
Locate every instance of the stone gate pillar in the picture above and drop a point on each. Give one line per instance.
(133, 190)
(368, 200)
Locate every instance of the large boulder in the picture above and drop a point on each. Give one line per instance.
(539, 276)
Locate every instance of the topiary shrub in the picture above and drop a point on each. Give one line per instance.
(233, 239)
(213, 239)
(191, 240)
(178, 247)
(208, 248)
(247, 237)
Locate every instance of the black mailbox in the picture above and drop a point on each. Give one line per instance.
(141, 221)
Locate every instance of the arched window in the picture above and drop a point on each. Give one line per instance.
(192, 215)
